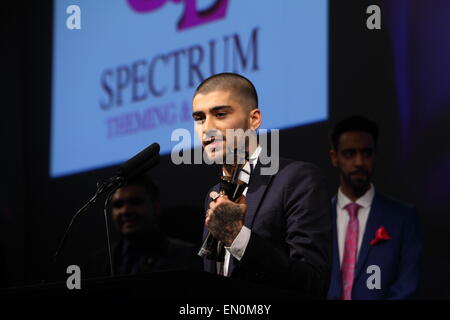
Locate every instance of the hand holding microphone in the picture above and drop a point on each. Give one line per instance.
(225, 218)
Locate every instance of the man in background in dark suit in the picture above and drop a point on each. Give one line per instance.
(142, 247)
(279, 232)
(376, 239)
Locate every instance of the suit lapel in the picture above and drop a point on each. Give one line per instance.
(373, 223)
(256, 189)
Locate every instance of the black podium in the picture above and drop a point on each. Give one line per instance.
(170, 285)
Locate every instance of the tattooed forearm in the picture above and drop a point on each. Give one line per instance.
(226, 222)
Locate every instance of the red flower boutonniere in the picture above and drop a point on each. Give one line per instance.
(380, 235)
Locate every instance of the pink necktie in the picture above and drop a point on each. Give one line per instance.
(350, 251)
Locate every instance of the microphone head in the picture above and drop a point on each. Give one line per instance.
(153, 162)
(143, 161)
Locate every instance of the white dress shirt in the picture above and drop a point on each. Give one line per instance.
(343, 217)
(237, 248)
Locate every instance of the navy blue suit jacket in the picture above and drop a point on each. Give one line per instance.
(290, 243)
(398, 258)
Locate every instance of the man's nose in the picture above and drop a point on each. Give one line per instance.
(125, 208)
(359, 160)
(208, 125)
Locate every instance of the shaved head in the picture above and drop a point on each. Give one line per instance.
(241, 88)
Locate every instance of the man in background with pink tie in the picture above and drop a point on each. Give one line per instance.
(376, 239)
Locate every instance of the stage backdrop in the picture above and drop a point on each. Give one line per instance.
(126, 78)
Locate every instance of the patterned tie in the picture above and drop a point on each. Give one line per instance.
(350, 251)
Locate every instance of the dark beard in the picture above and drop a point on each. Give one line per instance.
(359, 186)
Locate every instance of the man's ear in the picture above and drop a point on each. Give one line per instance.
(333, 158)
(255, 118)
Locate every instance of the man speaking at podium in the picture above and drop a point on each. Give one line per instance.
(278, 233)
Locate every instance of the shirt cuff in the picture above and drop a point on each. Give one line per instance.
(237, 248)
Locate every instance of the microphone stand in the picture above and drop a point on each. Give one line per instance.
(143, 161)
(108, 239)
(108, 186)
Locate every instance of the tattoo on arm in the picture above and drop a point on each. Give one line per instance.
(227, 222)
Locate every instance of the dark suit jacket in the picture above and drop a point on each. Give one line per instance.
(289, 217)
(398, 258)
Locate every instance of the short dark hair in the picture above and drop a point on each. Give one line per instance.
(354, 123)
(148, 183)
(233, 82)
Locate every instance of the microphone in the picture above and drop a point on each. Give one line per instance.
(140, 163)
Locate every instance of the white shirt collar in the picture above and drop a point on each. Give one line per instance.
(254, 157)
(364, 201)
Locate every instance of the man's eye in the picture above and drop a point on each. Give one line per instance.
(221, 114)
(347, 153)
(117, 204)
(367, 153)
(136, 201)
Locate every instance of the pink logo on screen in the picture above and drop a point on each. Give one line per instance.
(191, 16)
